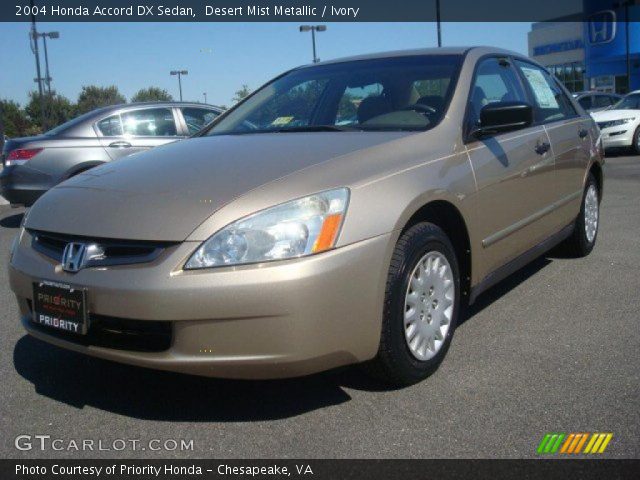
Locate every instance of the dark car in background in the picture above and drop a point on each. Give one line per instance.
(596, 101)
(33, 165)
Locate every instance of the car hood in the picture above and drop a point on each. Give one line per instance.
(608, 115)
(164, 194)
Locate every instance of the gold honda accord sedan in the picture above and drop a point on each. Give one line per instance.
(346, 212)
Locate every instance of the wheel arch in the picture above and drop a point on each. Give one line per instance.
(449, 218)
(596, 170)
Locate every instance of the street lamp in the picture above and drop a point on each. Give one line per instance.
(179, 73)
(33, 41)
(205, 96)
(313, 29)
(44, 35)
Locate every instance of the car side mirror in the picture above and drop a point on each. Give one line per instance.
(501, 117)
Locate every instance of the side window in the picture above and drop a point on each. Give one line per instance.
(150, 122)
(495, 81)
(110, 126)
(601, 101)
(585, 102)
(196, 118)
(551, 101)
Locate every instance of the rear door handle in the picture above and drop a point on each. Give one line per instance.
(120, 145)
(583, 133)
(542, 148)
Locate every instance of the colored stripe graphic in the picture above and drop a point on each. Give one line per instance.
(573, 443)
(550, 443)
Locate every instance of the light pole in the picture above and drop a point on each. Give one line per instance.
(438, 22)
(51, 35)
(205, 96)
(179, 73)
(625, 4)
(34, 47)
(313, 29)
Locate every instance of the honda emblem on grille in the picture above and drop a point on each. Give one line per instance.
(73, 256)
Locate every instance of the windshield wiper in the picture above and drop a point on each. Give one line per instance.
(316, 128)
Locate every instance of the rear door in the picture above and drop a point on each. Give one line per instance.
(135, 130)
(512, 169)
(570, 136)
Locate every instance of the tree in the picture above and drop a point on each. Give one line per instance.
(151, 94)
(242, 93)
(58, 109)
(92, 97)
(14, 119)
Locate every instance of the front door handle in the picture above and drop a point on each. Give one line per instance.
(583, 133)
(120, 145)
(542, 148)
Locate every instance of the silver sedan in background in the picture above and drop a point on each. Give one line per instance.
(33, 165)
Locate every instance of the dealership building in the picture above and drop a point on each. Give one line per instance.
(592, 54)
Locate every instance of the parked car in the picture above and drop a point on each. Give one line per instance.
(261, 249)
(35, 164)
(596, 101)
(620, 125)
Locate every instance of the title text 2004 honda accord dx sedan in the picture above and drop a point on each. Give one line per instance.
(343, 213)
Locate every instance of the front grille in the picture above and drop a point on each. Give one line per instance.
(113, 252)
(117, 333)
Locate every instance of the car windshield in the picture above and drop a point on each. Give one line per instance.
(395, 93)
(630, 102)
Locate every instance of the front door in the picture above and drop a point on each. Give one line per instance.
(513, 171)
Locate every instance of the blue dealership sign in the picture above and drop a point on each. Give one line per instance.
(602, 27)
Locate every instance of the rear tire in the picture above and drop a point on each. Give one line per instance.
(585, 231)
(421, 307)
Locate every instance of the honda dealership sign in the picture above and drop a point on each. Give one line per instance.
(602, 27)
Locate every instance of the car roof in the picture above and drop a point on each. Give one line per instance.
(421, 51)
(122, 106)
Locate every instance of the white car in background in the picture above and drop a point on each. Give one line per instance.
(620, 125)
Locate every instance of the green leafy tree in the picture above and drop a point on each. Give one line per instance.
(151, 94)
(242, 93)
(92, 97)
(58, 109)
(14, 119)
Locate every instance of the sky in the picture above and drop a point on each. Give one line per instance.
(220, 57)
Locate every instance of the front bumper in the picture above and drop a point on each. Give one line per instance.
(273, 320)
(620, 136)
(21, 185)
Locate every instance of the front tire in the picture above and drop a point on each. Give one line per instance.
(635, 143)
(421, 307)
(585, 231)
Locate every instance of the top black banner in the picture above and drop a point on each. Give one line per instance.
(304, 10)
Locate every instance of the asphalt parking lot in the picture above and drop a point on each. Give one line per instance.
(554, 348)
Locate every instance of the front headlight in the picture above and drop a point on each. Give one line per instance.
(616, 123)
(300, 227)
